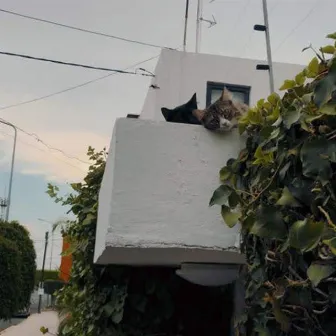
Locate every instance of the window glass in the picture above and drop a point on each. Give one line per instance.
(237, 95)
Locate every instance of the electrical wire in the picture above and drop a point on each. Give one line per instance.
(317, 2)
(38, 139)
(85, 30)
(73, 64)
(73, 87)
(43, 151)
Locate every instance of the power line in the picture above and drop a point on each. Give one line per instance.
(74, 64)
(73, 87)
(40, 149)
(38, 139)
(298, 25)
(85, 30)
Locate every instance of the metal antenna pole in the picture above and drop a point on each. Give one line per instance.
(185, 26)
(199, 24)
(268, 46)
(12, 169)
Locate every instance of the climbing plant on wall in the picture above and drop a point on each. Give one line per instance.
(282, 190)
(125, 301)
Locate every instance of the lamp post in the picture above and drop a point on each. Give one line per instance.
(12, 168)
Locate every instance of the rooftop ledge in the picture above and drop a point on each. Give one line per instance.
(153, 202)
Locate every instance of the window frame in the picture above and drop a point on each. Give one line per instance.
(246, 90)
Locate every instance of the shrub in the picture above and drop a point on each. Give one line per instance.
(10, 278)
(17, 234)
(51, 286)
(48, 275)
(282, 188)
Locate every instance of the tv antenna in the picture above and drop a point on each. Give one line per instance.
(212, 22)
(199, 21)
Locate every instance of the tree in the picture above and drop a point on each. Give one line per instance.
(282, 189)
(20, 267)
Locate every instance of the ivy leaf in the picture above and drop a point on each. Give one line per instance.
(274, 115)
(331, 243)
(317, 272)
(273, 99)
(287, 199)
(220, 195)
(262, 158)
(269, 223)
(230, 218)
(291, 116)
(314, 163)
(329, 109)
(329, 49)
(305, 235)
(325, 87)
(288, 84)
(307, 98)
(224, 174)
(300, 78)
(332, 36)
(313, 68)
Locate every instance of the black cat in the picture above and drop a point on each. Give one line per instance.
(182, 114)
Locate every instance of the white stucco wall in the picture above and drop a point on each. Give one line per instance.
(180, 74)
(156, 189)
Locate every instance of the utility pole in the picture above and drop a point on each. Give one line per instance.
(41, 286)
(265, 28)
(12, 168)
(52, 239)
(185, 26)
(199, 24)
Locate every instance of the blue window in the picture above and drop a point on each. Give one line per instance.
(214, 90)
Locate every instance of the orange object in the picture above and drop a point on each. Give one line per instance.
(66, 261)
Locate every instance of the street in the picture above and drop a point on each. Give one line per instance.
(31, 326)
(33, 310)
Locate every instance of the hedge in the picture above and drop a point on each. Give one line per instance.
(19, 236)
(10, 278)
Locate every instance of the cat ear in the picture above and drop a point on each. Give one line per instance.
(226, 95)
(193, 102)
(166, 113)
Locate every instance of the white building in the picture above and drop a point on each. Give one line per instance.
(160, 176)
(178, 75)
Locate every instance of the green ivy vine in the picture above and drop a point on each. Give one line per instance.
(282, 190)
(125, 301)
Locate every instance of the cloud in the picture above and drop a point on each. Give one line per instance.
(33, 158)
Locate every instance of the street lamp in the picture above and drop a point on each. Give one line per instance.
(12, 167)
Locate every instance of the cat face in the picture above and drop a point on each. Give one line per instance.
(182, 114)
(223, 114)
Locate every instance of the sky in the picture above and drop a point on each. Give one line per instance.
(75, 119)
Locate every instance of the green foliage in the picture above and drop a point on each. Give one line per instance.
(48, 275)
(9, 278)
(284, 189)
(17, 259)
(123, 300)
(52, 286)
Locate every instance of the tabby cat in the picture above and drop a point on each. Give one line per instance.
(223, 114)
(182, 114)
